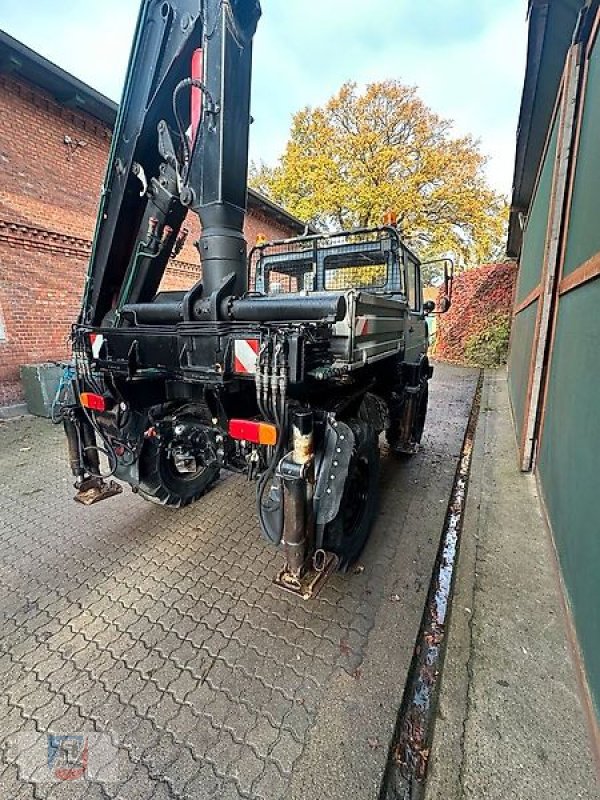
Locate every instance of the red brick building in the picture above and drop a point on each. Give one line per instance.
(54, 140)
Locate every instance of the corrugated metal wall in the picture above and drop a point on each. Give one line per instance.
(566, 434)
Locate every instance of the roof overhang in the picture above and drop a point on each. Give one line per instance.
(25, 63)
(69, 91)
(551, 27)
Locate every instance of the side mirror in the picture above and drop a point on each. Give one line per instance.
(448, 284)
(445, 304)
(446, 300)
(428, 307)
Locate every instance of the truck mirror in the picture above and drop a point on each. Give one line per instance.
(445, 304)
(428, 307)
(448, 284)
(446, 301)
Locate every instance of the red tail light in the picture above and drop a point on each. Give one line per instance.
(95, 402)
(255, 432)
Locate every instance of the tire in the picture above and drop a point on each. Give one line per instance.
(160, 482)
(347, 534)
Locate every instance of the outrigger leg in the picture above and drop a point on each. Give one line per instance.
(84, 459)
(305, 569)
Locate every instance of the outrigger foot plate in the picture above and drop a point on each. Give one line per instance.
(406, 449)
(311, 583)
(94, 489)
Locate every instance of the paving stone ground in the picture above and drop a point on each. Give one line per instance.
(161, 629)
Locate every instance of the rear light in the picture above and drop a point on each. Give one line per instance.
(255, 432)
(95, 402)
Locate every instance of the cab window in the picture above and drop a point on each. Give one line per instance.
(413, 285)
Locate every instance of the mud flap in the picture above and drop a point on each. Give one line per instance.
(332, 471)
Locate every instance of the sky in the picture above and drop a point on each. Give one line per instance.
(467, 58)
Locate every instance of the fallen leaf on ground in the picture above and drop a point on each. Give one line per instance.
(345, 648)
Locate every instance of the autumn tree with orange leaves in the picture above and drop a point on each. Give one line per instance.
(363, 153)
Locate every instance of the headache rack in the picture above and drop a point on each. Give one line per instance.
(367, 259)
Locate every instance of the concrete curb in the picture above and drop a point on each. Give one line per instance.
(12, 412)
(510, 720)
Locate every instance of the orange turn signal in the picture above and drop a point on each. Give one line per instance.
(251, 431)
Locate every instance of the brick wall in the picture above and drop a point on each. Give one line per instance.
(48, 196)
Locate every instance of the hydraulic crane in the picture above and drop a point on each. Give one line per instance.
(285, 364)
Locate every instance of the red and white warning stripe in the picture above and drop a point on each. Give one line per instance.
(96, 340)
(362, 326)
(245, 354)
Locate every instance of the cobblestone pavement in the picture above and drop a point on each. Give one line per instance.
(161, 628)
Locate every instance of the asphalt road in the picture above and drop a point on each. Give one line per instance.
(161, 629)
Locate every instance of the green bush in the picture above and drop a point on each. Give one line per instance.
(490, 347)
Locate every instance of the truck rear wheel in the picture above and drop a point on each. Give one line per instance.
(347, 534)
(161, 482)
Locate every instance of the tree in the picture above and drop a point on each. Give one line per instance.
(361, 154)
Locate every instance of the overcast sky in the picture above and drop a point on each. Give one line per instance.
(466, 57)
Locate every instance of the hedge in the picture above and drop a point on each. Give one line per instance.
(476, 330)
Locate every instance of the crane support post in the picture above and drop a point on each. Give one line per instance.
(217, 184)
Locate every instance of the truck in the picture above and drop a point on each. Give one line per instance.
(285, 364)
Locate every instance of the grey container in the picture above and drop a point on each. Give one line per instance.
(40, 384)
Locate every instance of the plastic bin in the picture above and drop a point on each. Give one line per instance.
(40, 383)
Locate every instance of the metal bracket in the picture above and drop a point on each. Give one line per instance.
(139, 173)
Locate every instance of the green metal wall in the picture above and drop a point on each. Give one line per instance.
(530, 273)
(523, 329)
(534, 237)
(569, 464)
(569, 456)
(584, 225)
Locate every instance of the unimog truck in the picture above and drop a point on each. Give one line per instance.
(285, 364)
